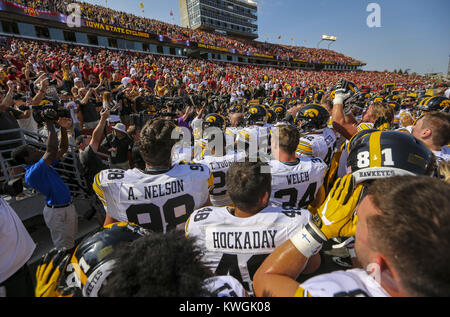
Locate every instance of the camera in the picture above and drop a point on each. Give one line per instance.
(11, 188)
(51, 111)
(140, 119)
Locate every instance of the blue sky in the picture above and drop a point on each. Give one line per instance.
(414, 34)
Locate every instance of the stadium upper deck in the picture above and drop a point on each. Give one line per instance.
(105, 27)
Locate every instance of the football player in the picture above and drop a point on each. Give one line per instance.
(212, 120)
(164, 195)
(255, 138)
(379, 154)
(237, 239)
(296, 181)
(433, 128)
(103, 262)
(439, 103)
(376, 111)
(219, 163)
(280, 112)
(317, 139)
(394, 212)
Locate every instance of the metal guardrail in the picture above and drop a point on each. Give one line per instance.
(68, 168)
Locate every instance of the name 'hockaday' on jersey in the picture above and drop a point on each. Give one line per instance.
(240, 240)
(142, 192)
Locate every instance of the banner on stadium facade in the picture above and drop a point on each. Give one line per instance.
(116, 29)
(263, 55)
(29, 11)
(212, 47)
(300, 60)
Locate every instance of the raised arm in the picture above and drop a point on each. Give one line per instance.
(65, 124)
(52, 143)
(41, 94)
(98, 133)
(7, 100)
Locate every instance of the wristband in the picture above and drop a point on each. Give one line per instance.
(338, 100)
(309, 240)
(352, 252)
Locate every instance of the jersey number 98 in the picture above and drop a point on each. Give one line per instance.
(154, 218)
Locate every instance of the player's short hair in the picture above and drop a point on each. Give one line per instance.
(288, 138)
(383, 110)
(156, 142)
(247, 183)
(412, 231)
(439, 123)
(444, 171)
(158, 265)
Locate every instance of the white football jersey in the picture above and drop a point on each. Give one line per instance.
(441, 157)
(296, 184)
(230, 137)
(446, 150)
(225, 286)
(155, 201)
(350, 283)
(237, 246)
(182, 153)
(342, 168)
(258, 138)
(218, 165)
(318, 145)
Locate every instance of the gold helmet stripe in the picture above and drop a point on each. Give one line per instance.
(375, 149)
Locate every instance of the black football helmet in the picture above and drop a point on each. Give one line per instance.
(312, 118)
(381, 154)
(392, 98)
(395, 105)
(256, 115)
(280, 112)
(357, 137)
(318, 96)
(235, 108)
(421, 99)
(93, 258)
(214, 120)
(271, 116)
(372, 100)
(346, 86)
(441, 104)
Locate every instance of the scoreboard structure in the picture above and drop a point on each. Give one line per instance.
(229, 17)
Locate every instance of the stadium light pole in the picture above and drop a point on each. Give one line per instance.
(329, 38)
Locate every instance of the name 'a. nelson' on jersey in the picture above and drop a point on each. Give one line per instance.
(295, 184)
(157, 201)
(219, 166)
(237, 246)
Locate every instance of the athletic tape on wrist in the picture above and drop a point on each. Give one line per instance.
(352, 252)
(309, 241)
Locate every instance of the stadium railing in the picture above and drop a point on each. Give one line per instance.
(69, 169)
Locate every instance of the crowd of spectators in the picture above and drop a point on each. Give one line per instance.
(101, 90)
(105, 15)
(86, 81)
